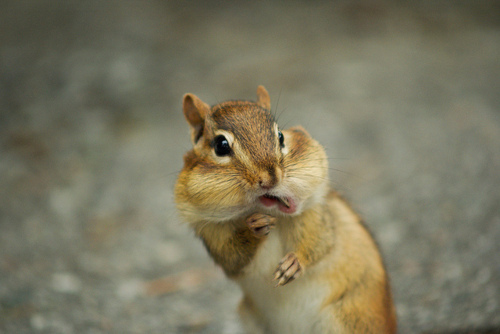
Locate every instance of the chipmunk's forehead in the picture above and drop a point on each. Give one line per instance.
(253, 129)
(242, 116)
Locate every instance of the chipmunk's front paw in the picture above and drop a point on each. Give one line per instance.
(260, 224)
(288, 269)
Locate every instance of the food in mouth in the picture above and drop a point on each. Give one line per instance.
(285, 204)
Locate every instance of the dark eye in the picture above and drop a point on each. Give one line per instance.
(281, 139)
(221, 146)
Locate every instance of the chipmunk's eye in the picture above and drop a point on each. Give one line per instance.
(221, 146)
(281, 139)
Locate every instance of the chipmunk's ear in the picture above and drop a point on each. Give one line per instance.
(195, 111)
(263, 98)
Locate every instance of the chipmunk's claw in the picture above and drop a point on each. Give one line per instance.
(260, 224)
(288, 269)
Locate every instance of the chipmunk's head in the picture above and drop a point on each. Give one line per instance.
(242, 162)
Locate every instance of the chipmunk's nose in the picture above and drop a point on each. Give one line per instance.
(270, 177)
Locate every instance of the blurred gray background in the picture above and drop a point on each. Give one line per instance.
(404, 95)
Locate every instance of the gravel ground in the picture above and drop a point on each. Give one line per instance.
(404, 96)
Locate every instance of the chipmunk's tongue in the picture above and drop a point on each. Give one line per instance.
(285, 204)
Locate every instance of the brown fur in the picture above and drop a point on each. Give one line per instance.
(324, 242)
(231, 247)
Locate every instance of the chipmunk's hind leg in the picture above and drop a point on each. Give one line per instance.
(252, 322)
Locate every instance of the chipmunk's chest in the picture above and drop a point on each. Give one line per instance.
(267, 257)
(292, 308)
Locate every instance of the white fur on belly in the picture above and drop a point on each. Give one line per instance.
(293, 308)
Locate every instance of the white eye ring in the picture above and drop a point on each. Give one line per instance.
(281, 139)
(221, 146)
(228, 138)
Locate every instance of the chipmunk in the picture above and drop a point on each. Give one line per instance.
(259, 198)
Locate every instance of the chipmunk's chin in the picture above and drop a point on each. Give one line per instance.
(284, 204)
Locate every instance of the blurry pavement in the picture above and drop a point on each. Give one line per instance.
(404, 97)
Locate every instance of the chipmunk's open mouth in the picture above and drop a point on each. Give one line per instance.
(285, 204)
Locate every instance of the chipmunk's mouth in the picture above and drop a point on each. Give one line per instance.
(285, 204)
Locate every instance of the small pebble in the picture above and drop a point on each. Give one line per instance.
(130, 289)
(38, 322)
(66, 283)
